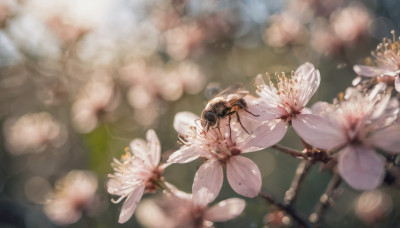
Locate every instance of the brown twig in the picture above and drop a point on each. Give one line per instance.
(301, 171)
(314, 154)
(325, 199)
(290, 151)
(287, 208)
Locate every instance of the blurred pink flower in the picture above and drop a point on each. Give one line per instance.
(285, 29)
(184, 40)
(351, 23)
(152, 84)
(179, 210)
(285, 102)
(357, 124)
(137, 173)
(373, 206)
(34, 133)
(95, 100)
(219, 146)
(387, 60)
(73, 195)
(323, 40)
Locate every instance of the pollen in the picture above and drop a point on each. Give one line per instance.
(127, 155)
(389, 45)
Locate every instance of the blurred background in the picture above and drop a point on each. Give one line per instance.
(80, 79)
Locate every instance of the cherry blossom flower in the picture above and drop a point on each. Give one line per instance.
(350, 24)
(180, 210)
(219, 146)
(285, 102)
(74, 194)
(94, 101)
(358, 124)
(285, 29)
(138, 172)
(34, 133)
(324, 40)
(373, 206)
(387, 60)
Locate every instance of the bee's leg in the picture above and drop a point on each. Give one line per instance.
(250, 113)
(230, 130)
(238, 118)
(217, 126)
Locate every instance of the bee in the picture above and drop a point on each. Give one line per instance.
(225, 104)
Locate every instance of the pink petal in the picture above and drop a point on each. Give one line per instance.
(387, 139)
(257, 107)
(322, 108)
(225, 210)
(183, 121)
(266, 135)
(154, 147)
(397, 83)
(310, 78)
(114, 187)
(243, 176)
(368, 71)
(306, 110)
(318, 132)
(184, 155)
(140, 150)
(130, 204)
(267, 109)
(207, 182)
(361, 167)
(305, 69)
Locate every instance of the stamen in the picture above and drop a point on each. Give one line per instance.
(119, 199)
(393, 34)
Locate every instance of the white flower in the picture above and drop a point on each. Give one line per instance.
(387, 60)
(180, 210)
(74, 194)
(137, 172)
(285, 102)
(220, 147)
(358, 124)
(34, 133)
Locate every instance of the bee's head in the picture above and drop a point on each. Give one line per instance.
(209, 119)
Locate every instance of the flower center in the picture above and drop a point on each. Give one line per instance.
(197, 215)
(221, 148)
(288, 92)
(154, 181)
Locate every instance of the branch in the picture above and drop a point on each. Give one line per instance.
(287, 208)
(292, 192)
(325, 199)
(307, 154)
(290, 151)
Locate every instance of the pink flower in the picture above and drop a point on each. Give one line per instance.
(350, 24)
(373, 206)
(137, 172)
(387, 60)
(179, 210)
(358, 124)
(219, 148)
(74, 194)
(285, 29)
(285, 102)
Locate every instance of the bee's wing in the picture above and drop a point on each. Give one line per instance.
(233, 89)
